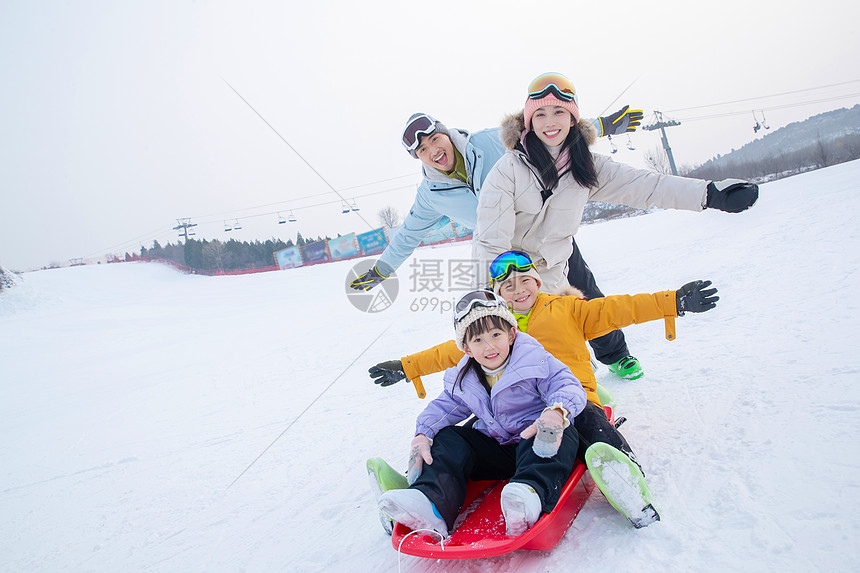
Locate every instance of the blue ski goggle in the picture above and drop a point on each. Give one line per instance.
(507, 262)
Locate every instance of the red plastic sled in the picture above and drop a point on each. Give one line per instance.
(480, 528)
(482, 533)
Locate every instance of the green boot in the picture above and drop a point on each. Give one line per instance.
(622, 482)
(627, 368)
(606, 397)
(383, 478)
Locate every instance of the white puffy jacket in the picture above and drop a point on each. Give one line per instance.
(512, 214)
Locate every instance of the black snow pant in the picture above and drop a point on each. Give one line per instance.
(461, 454)
(609, 348)
(592, 426)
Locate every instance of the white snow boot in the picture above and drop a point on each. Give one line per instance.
(412, 508)
(521, 507)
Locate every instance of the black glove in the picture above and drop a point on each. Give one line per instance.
(692, 297)
(368, 280)
(387, 373)
(624, 120)
(732, 195)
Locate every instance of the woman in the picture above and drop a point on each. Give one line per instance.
(534, 196)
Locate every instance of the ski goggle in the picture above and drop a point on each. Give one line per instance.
(507, 262)
(552, 84)
(421, 125)
(475, 298)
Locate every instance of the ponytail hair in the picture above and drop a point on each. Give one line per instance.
(580, 161)
(473, 365)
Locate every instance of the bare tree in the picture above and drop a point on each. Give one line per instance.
(822, 153)
(852, 148)
(389, 217)
(214, 253)
(657, 160)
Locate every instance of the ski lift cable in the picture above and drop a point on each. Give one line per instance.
(311, 167)
(320, 204)
(769, 108)
(160, 232)
(762, 97)
(314, 196)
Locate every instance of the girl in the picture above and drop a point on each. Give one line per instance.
(524, 400)
(534, 196)
(563, 324)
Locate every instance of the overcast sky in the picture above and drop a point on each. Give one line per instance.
(116, 118)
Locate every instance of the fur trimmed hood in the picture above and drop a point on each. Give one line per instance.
(570, 291)
(513, 125)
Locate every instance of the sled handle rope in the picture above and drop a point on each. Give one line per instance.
(308, 407)
(413, 532)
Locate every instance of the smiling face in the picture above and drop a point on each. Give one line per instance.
(491, 347)
(552, 123)
(520, 292)
(437, 151)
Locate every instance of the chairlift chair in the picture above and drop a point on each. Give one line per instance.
(344, 207)
(227, 228)
(614, 147)
(281, 219)
(354, 205)
(758, 125)
(291, 218)
(236, 225)
(630, 145)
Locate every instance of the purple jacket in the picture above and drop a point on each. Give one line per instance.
(533, 380)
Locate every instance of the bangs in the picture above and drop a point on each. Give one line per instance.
(486, 324)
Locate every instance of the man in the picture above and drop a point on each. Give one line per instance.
(455, 164)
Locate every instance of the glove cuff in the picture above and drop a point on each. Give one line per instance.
(598, 124)
(563, 411)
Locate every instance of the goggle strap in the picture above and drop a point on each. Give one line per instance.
(554, 90)
(412, 131)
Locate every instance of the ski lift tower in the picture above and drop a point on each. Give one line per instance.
(662, 125)
(183, 225)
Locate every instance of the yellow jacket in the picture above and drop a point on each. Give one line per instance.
(563, 324)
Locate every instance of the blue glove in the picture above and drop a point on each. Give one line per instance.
(547, 431)
(419, 454)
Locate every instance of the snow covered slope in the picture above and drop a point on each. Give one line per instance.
(154, 421)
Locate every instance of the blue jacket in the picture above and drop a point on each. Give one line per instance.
(440, 196)
(532, 381)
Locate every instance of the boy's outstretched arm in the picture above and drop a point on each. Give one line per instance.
(601, 315)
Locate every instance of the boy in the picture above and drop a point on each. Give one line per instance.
(563, 324)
